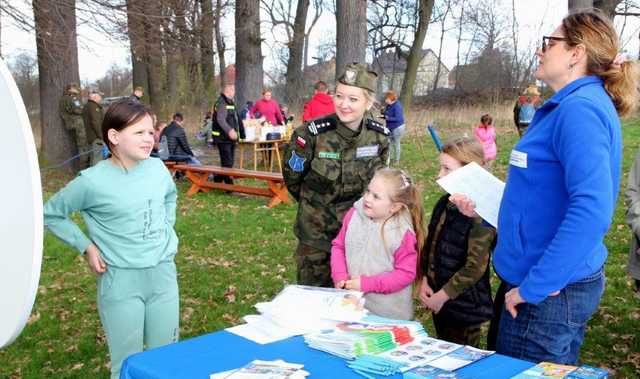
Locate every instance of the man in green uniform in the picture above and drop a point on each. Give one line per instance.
(71, 113)
(92, 115)
(329, 163)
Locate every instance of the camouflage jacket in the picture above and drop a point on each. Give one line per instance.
(327, 168)
(455, 258)
(70, 108)
(92, 116)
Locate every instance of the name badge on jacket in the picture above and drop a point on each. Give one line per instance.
(367, 151)
(518, 159)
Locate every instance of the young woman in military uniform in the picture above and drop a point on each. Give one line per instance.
(328, 164)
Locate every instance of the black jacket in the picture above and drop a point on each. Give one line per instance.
(474, 305)
(225, 118)
(177, 143)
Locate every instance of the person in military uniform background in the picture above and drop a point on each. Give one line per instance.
(329, 162)
(137, 94)
(227, 127)
(92, 115)
(71, 113)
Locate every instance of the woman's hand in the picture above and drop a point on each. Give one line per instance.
(512, 299)
(465, 205)
(425, 291)
(436, 301)
(340, 284)
(353, 284)
(92, 256)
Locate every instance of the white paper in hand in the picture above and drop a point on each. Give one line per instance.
(480, 186)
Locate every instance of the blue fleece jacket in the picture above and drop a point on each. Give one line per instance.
(561, 192)
(393, 115)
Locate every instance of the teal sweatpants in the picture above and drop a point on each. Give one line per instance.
(139, 308)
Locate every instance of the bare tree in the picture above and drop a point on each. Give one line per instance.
(413, 59)
(249, 71)
(139, 58)
(295, 80)
(351, 33)
(443, 11)
(23, 68)
(57, 47)
(220, 45)
(206, 45)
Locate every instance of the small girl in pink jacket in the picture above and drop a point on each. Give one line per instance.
(486, 134)
(377, 248)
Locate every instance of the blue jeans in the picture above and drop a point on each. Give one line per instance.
(552, 330)
(394, 143)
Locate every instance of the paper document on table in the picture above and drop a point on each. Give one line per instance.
(480, 186)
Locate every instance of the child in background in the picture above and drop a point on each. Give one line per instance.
(486, 134)
(128, 203)
(377, 248)
(455, 259)
(632, 197)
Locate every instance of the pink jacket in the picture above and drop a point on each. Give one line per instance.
(486, 135)
(405, 263)
(270, 110)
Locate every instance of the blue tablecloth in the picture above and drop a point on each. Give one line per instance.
(201, 356)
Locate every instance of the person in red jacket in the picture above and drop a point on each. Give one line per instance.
(268, 108)
(321, 103)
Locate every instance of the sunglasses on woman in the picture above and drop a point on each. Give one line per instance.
(546, 45)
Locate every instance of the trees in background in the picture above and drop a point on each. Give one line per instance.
(56, 41)
(351, 33)
(249, 71)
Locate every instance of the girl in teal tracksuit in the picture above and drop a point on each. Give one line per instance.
(128, 203)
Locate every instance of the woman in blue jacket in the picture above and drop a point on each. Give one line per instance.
(561, 193)
(393, 115)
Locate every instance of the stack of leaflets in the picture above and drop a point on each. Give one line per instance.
(557, 371)
(588, 372)
(428, 372)
(459, 358)
(264, 370)
(372, 337)
(300, 310)
(421, 351)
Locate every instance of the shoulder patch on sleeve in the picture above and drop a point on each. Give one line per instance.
(377, 127)
(321, 125)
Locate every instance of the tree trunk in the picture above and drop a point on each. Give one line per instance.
(56, 41)
(249, 72)
(608, 7)
(443, 30)
(295, 81)
(135, 24)
(152, 32)
(206, 46)
(575, 5)
(220, 46)
(424, 15)
(351, 33)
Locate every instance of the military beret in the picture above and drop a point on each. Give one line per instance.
(358, 75)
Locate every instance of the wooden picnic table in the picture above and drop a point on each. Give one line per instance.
(198, 176)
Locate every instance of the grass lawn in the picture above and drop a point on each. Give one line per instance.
(235, 252)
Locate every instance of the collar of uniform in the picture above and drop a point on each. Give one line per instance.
(572, 87)
(347, 133)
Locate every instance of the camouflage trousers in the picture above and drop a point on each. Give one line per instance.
(76, 127)
(463, 335)
(313, 266)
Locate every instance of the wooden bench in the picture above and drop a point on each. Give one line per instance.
(198, 176)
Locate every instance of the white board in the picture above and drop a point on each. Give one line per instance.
(21, 223)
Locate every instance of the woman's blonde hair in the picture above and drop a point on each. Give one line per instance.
(402, 190)
(464, 150)
(596, 33)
